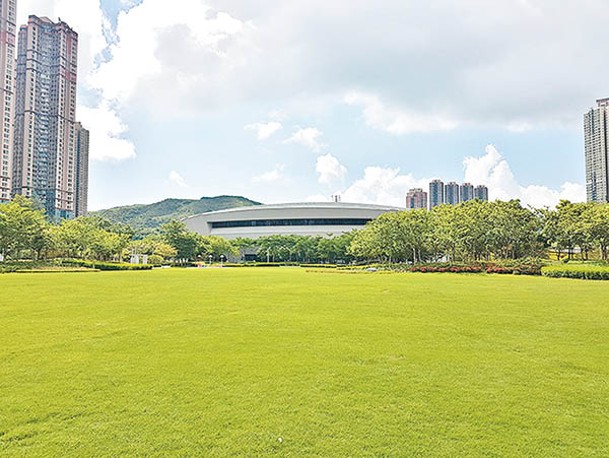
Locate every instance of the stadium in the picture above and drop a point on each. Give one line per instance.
(312, 219)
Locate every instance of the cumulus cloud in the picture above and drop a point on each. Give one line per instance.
(502, 63)
(106, 130)
(329, 169)
(146, 29)
(271, 176)
(397, 121)
(480, 63)
(309, 137)
(130, 3)
(493, 170)
(177, 179)
(382, 185)
(264, 130)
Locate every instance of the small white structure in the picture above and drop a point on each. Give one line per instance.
(139, 259)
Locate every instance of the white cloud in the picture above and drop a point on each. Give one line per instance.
(329, 169)
(381, 185)
(308, 137)
(271, 176)
(395, 120)
(168, 51)
(129, 3)
(176, 178)
(264, 130)
(106, 129)
(493, 170)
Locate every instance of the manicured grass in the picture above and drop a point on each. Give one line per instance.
(224, 362)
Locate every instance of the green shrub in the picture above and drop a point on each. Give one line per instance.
(16, 266)
(319, 266)
(517, 267)
(101, 265)
(155, 260)
(579, 271)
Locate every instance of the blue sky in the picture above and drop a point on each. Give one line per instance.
(299, 100)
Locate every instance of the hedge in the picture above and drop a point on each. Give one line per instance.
(24, 265)
(528, 267)
(579, 271)
(101, 265)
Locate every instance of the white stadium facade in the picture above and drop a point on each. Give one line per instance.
(314, 219)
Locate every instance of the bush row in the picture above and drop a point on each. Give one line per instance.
(580, 271)
(16, 266)
(519, 268)
(103, 265)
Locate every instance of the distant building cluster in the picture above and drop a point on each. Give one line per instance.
(450, 193)
(44, 151)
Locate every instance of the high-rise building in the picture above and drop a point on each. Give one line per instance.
(82, 169)
(416, 199)
(8, 9)
(481, 192)
(466, 192)
(44, 161)
(596, 148)
(436, 193)
(451, 193)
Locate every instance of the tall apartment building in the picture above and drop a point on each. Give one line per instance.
(596, 151)
(436, 193)
(82, 169)
(466, 192)
(451, 193)
(8, 11)
(44, 161)
(481, 192)
(416, 198)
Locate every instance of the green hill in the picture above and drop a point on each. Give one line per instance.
(146, 219)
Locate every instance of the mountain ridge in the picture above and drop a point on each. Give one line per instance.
(148, 218)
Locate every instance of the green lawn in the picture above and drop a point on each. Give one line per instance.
(225, 362)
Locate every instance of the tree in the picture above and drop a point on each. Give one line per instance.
(596, 218)
(445, 237)
(86, 238)
(186, 243)
(515, 230)
(153, 245)
(566, 228)
(395, 237)
(216, 246)
(22, 228)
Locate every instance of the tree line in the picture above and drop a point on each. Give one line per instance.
(480, 231)
(469, 232)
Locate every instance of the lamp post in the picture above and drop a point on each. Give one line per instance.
(210, 258)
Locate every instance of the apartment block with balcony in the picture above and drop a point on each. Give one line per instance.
(8, 11)
(436, 193)
(82, 169)
(45, 157)
(596, 152)
(416, 198)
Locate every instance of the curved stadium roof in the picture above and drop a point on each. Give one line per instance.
(324, 218)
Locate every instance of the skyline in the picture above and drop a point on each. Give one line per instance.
(297, 101)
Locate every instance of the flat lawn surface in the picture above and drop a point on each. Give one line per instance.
(225, 362)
